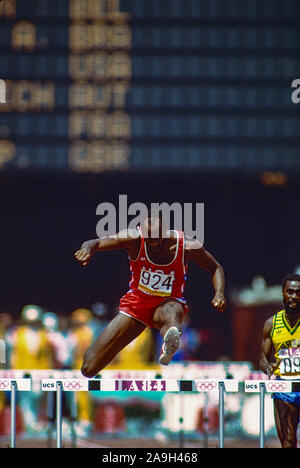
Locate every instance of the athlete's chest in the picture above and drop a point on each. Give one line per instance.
(286, 335)
(166, 255)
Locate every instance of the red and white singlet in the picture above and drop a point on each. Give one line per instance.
(152, 284)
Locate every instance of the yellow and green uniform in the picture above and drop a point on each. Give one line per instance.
(25, 355)
(286, 342)
(82, 336)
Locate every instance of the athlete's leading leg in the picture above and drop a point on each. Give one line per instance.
(286, 419)
(168, 318)
(116, 335)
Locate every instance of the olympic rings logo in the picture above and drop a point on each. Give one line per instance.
(206, 385)
(73, 385)
(4, 384)
(276, 386)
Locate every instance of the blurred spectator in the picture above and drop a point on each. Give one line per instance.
(31, 348)
(67, 351)
(138, 354)
(81, 336)
(60, 342)
(5, 325)
(100, 317)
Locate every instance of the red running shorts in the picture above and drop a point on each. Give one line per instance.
(142, 307)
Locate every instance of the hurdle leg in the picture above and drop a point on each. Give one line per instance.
(51, 417)
(59, 415)
(13, 403)
(221, 414)
(205, 421)
(261, 415)
(73, 418)
(181, 421)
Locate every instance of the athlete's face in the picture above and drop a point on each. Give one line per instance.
(291, 297)
(154, 238)
(154, 245)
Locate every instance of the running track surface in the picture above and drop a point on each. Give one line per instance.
(144, 443)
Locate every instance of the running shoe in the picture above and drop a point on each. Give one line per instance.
(170, 345)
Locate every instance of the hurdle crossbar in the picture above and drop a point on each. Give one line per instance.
(139, 385)
(12, 386)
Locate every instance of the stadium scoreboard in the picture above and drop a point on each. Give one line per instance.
(134, 85)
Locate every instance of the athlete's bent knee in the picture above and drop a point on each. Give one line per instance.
(172, 314)
(88, 368)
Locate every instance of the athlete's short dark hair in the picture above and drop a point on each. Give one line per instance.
(290, 277)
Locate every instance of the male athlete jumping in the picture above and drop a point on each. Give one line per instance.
(280, 354)
(158, 264)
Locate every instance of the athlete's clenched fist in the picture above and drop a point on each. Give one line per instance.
(83, 256)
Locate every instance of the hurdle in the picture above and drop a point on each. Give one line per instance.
(12, 386)
(138, 385)
(268, 386)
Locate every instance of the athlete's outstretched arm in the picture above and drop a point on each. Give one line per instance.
(195, 251)
(265, 363)
(121, 240)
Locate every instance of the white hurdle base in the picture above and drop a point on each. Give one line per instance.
(138, 385)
